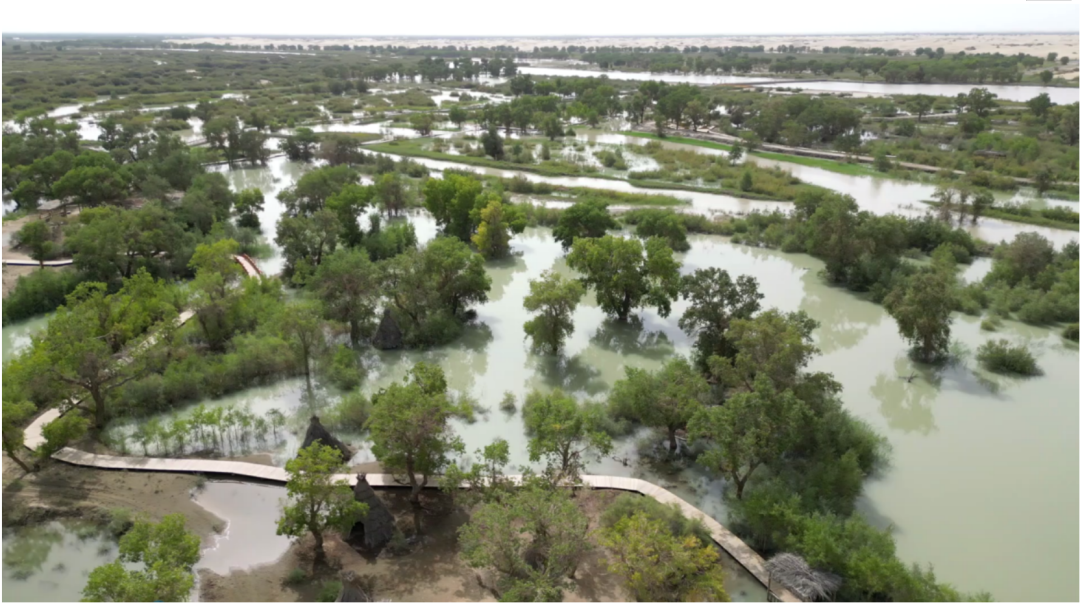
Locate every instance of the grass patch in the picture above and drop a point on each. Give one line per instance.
(414, 148)
(840, 167)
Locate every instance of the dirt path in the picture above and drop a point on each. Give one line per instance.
(433, 572)
(60, 490)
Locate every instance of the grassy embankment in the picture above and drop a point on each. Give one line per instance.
(416, 148)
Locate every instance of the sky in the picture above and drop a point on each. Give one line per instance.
(543, 18)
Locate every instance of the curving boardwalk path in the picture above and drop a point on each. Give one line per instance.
(732, 544)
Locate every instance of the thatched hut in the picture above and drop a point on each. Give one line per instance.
(388, 336)
(804, 581)
(317, 433)
(376, 528)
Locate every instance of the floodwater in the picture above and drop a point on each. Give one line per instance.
(984, 470)
(51, 562)
(671, 78)
(250, 535)
(1061, 96)
(17, 335)
(880, 195)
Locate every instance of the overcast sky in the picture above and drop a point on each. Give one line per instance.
(545, 17)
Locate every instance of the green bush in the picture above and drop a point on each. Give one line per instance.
(351, 412)
(329, 591)
(1000, 356)
(39, 292)
(626, 505)
(298, 576)
(345, 370)
(1072, 332)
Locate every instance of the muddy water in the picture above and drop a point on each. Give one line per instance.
(880, 195)
(984, 472)
(1061, 96)
(671, 78)
(51, 562)
(249, 538)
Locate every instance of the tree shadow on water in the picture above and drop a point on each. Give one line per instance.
(907, 396)
(572, 375)
(626, 338)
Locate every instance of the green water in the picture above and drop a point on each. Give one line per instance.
(51, 562)
(984, 469)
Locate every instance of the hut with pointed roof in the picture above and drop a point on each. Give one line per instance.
(372, 531)
(317, 433)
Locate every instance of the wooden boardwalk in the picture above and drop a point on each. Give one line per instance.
(35, 263)
(248, 264)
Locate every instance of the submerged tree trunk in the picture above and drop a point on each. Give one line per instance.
(673, 444)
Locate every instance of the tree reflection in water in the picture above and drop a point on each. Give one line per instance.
(631, 338)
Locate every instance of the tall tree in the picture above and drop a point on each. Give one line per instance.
(302, 326)
(36, 238)
(347, 282)
(317, 502)
(453, 200)
(665, 399)
(15, 416)
(555, 298)
(563, 432)
(166, 553)
(626, 274)
(533, 539)
(410, 430)
(716, 300)
(922, 306)
(497, 223)
(748, 430)
(588, 219)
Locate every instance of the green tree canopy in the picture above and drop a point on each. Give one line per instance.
(588, 219)
(165, 552)
(715, 300)
(410, 431)
(660, 566)
(555, 298)
(317, 502)
(626, 274)
(563, 432)
(665, 399)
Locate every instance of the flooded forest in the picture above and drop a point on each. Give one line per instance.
(371, 320)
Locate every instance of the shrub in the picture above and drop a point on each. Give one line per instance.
(627, 505)
(1000, 356)
(1072, 332)
(298, 576)
(351, 412)
(509, 403)
(329, 591)
(39, 292)
(992, 323)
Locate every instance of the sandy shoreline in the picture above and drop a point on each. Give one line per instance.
(1037, 44)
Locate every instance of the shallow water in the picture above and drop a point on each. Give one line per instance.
(980, 463)
(51, 562)
(17, 335)
(984, 471)
(671, 78)
(249, 538)
(1061, 96)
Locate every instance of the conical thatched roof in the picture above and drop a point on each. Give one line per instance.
(388, 336)
(316, 432)
(804, 581)
(376, 528)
